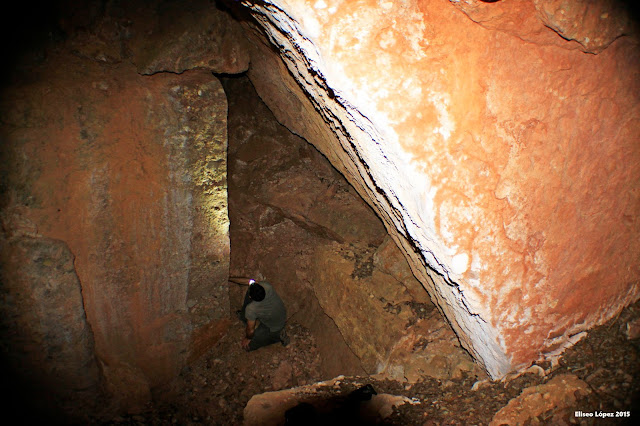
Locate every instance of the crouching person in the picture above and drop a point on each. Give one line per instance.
(264, 314)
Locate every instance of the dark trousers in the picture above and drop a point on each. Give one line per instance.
(262, 336)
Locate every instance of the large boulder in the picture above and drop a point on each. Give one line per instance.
(502, 158)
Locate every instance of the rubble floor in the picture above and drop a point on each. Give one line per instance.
(215, 389)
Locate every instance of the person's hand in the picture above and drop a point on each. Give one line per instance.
(245, 343)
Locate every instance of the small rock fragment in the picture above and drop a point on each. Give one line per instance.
(633, 329)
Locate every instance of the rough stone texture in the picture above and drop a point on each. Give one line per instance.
(518, 18)
(47, 345)
(156, 35)
(588, 25)
(269, 408)
(505, 168)
(276, 242)
(369, 313)
(296, 222)
(559, 393)
(130, 172)
(390, 330)
(188, 35)
(593, 24)
(492, 153)
(633, 329)
(429, 348)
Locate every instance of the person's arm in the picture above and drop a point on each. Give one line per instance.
(249, 331)
(251, 328)
(241, 280)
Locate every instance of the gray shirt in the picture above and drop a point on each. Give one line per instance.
(270, 311)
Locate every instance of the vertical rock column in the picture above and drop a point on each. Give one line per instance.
(130, 173)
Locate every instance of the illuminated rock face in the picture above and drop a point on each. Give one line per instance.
(506, 166)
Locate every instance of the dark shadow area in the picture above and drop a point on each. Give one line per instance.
(27, 31)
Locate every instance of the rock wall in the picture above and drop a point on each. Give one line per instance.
(123, 178)
(296, 222)
(47, 345)
(499, 149)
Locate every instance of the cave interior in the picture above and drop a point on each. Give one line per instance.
(141, 169)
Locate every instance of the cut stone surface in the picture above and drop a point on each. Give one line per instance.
(130, 173)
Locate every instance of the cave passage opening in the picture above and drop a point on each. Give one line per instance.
(276, 185)
(296, 222)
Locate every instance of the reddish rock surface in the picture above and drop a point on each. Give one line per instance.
(590, 25)
(505, 165)
(593, 24)
(130, 173)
